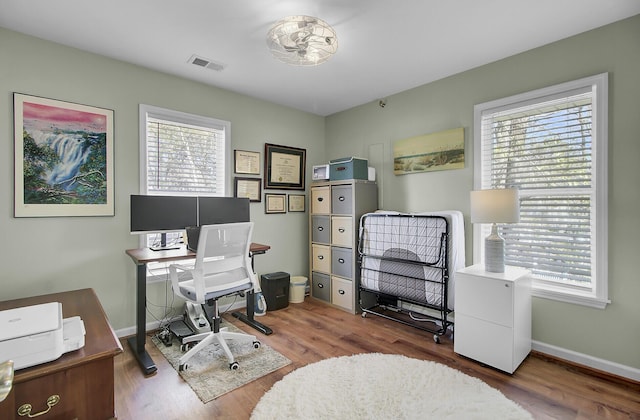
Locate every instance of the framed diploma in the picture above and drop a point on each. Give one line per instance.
(250, 188)
(296, 202)
(284, 167)
(245, 162)
(275, 203)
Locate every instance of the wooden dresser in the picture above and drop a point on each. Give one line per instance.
(81, 381)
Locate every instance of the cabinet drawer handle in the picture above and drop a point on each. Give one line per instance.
(320, 285)
(320, 199)
(341, 292)
(321, 257)
(341, 198)
(341, 230)
(25, 409)
(341, 260)
(320, 228)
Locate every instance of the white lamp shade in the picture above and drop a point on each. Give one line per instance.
(495, 206)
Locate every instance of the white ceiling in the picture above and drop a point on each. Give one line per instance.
(385, 46)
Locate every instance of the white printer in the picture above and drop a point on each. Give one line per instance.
(36, 334)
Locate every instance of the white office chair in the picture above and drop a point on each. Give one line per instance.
(222, 267)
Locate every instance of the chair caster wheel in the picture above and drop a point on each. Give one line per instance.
(234, 366)
(256, 344)
(185, 347)
(364, 314)
(183, 367)
(436, 338)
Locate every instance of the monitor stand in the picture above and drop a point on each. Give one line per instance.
(163, 244)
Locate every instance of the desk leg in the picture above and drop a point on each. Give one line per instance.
(138, 341)
(249, 318)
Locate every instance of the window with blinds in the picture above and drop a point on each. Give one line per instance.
(182, 154)
(547, 144)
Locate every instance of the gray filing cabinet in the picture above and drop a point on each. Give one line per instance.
(336, 208)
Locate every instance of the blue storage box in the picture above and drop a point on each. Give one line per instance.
(348, 168)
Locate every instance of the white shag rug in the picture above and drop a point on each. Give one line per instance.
(383, 386)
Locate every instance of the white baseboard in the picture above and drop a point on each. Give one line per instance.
(129, 331)
(589, 361)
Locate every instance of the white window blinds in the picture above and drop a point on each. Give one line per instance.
(184, 159)
(545, 151)
(546, 145)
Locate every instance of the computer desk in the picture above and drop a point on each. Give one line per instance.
(141, 257)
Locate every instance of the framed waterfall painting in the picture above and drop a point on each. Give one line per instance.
(63, 158)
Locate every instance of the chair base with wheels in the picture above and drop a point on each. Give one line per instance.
(217, 336)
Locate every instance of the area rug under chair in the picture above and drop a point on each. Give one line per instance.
(208, 372)
(383, 386)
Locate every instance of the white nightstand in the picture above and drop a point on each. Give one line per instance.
(493, 316)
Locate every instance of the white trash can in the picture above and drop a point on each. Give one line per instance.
(297, 289)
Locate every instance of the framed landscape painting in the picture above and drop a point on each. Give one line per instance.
(63, 158)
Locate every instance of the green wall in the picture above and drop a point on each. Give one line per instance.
(369, 130)
(45, 255)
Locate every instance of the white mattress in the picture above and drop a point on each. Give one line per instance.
(409, 239)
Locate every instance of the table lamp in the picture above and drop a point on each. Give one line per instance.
(495, 206)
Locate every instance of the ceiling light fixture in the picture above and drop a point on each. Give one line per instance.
(302, 40)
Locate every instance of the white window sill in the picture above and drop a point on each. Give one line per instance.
(568, 295)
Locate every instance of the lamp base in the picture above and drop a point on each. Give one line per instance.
(494, 252)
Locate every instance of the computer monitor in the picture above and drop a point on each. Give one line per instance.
(161, 214)
(216, 210)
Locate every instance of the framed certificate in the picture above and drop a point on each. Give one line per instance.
(274, 203)
(250, 188)
(245, 162)
(296, 202)
(284, 167)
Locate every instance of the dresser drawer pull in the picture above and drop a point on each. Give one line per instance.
(341, 260)
(341, 230)
(25, 409)
(320, 285)
(321, 257)
(341, 198)
(320, 228)
(341, 292)
(320, 199)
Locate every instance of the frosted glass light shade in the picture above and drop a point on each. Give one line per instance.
(302, 40)
(495, 206)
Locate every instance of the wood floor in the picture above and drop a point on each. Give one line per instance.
(312, 331)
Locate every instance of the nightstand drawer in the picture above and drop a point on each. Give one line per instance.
(476, 296)
(484, 341)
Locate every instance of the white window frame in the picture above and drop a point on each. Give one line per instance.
(159, 271)
(597, 296)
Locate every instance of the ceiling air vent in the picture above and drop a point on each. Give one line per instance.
(206, 63)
